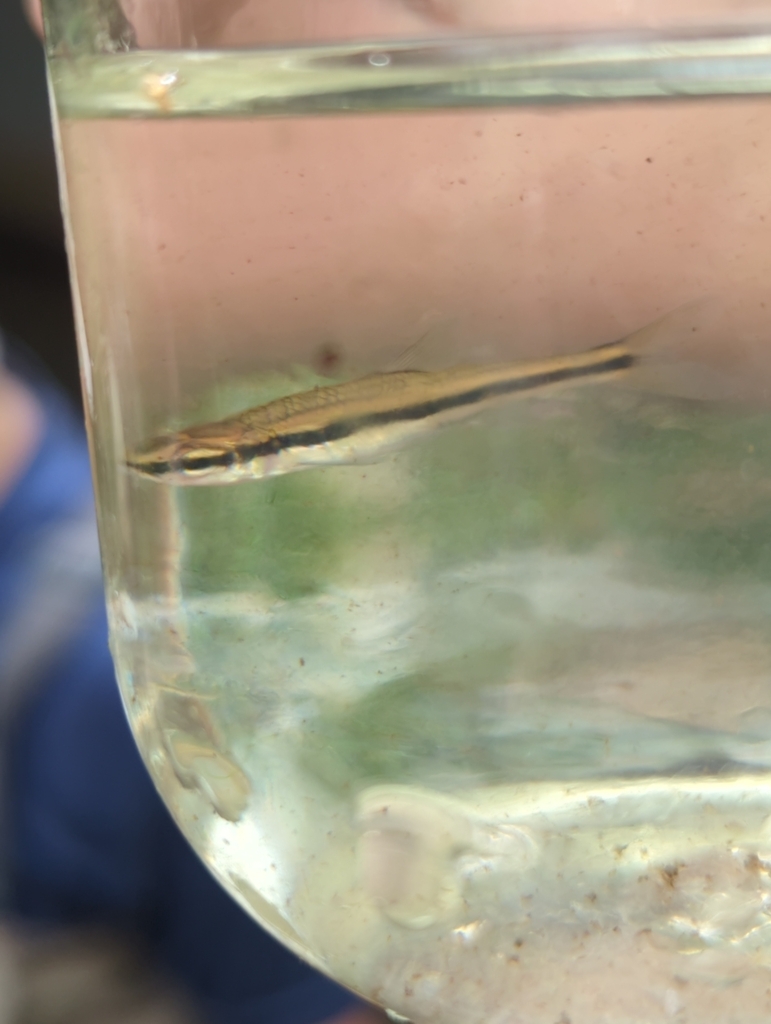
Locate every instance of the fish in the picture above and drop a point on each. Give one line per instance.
(364, 419)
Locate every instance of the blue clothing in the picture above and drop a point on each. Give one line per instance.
(88, 840)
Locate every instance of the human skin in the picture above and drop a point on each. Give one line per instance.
(514, 233)
(20, 427)
(212, 23)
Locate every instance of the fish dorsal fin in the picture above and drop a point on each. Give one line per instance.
(405, 362)
(428, 348)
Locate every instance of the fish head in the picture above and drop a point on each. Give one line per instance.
(186, 458)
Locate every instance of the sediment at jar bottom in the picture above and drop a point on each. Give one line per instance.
(591, 905)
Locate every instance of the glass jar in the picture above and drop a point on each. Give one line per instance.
(425, 354)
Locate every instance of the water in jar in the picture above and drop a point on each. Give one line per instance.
(479, 724)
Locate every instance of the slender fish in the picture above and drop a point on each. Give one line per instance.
(359, 420)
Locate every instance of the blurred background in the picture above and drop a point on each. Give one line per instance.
(34, 290)
(79, 976)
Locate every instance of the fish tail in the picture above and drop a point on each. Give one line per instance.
(670, 355)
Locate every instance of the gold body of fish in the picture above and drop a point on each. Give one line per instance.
(359, 420)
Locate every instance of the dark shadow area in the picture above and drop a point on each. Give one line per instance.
(34, 286)
(35, 303)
